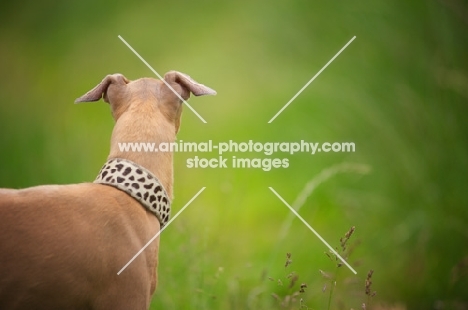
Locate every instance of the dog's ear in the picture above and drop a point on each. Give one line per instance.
(100, 90)
(188, 84)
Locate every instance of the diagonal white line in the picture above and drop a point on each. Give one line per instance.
(311, 80)
(159, 232)
(313, 230)
(157, 74)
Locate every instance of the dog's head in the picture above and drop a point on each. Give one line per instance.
(165, 95)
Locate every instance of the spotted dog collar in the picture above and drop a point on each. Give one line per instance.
(139, 183)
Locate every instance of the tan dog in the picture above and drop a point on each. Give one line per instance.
(61, 246)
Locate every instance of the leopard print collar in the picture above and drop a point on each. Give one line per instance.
(139, 183)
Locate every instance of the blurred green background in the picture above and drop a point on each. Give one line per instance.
(399, 92)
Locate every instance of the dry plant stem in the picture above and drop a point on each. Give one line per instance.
(343, 241)
(332, 287)
(308, 189)
(332, 283)
(368, 285)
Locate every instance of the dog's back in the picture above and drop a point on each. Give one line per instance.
(66, 254)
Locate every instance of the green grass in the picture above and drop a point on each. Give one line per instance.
(399, 91)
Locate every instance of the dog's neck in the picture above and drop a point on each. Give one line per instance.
(150, 128)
